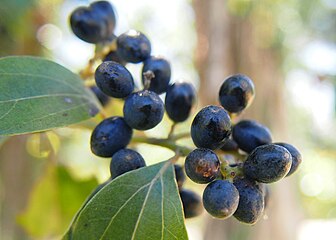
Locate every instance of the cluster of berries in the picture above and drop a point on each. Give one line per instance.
(238, 187)
(236, 184)
(143, 109)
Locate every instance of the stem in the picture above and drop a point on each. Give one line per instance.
(163, 142)
(170, 134)
(175, 137)
(148, 76)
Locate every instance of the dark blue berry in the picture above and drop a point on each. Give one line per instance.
(250, 134)
(143, 110)
(220, 199)
(296, 157)
(268, 163)
(125, 160)
(251, 201)
(211, 127)
(102, 97)
(95, 23)
(236, 93)
(113, 56)
(114, 79)
(179, 175)
(229, 145)
(202, 165)
(192, 206)
(180, 98)
(160, 67)
(109, 136)
(133, 46)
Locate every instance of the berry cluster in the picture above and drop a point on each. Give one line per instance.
(236, 185)
(235, 160)
(143, 109)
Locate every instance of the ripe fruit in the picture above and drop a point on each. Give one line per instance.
(143, 110)
(229, 145)
(109, 136)
(125, 160)
(94, 23)
(179, 100)
(161, 69)
(114, 79)
(191, 202)
(236, 93)
(114, 57)
(202, 165)
(268, 163)
(250, 134)
(296, 157)
(220, 198)
(211, 127)
(179, 175)
(133, 46)
(251, 201)
(102, 97)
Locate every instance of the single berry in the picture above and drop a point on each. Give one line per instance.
(114, 57)
(211, 127)
(250, 134)
(114, 79)
(180, 98)
(296, 157)
(107, 13)
(229, 145)
(220, 199)
(202, 165)
(236, 93)
(179, 175)
(102, 97)
(143, 110)
(192, 206)
(95, 23)
(160, 67)
(125, 160)
(268, 163)
(133, 46)
(109, 136)
(251, 201)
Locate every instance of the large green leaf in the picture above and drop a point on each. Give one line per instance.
(38, 94)
(142, 204)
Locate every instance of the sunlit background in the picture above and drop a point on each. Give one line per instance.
(287, 47)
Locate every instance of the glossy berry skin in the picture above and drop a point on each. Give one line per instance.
(95, 23)
(236, 93)
(220, 199)
(251, 201)
(210, 127)
(114, 79)
(250, 134)
(133, 46)
(162, 71)
(192, 205)
(180, 98)
(109, 136)
(102, 97)
(296, 157)
(179, 175)
(143, 110)
(125, 160)
(202, 165)
(268, 163)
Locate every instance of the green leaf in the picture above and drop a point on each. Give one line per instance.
(142, 204)
(37, 94)
(53, 201)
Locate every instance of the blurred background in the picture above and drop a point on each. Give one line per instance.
(289, 50)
